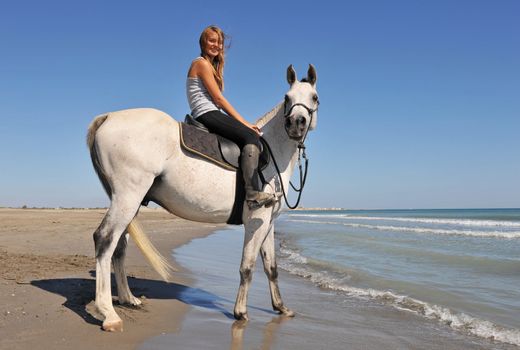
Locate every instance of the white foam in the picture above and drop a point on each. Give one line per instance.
(495, 234)
(293, 256)
(460, 222)
(295, 264)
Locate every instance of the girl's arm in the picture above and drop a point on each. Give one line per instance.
(204, 71)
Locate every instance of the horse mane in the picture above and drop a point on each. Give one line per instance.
(262, 121)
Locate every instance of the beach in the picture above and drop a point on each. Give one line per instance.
(325, 318)
(47, 287)
(47, 281)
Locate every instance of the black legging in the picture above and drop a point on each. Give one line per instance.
(227, 126)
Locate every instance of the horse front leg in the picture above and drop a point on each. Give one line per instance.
(271, 270)
(256, 228)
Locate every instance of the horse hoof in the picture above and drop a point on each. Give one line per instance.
(289, 313)
(136, 302)
(285, 311)
(113, 326)
(241, 316)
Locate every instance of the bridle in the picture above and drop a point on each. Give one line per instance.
(301, 153)
(309, 111)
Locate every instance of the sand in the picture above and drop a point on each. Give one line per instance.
(47, 282)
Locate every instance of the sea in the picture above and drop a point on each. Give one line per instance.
(458, 267)
(361, 279)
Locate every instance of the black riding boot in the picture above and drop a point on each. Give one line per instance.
(249, 165)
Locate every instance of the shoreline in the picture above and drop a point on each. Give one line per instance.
(47, 281)
(324, 318)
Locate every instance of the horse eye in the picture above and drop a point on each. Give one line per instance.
(315, 98)
(287, 100)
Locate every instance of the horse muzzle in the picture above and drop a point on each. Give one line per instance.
(295, 126)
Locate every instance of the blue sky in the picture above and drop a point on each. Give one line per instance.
(420, 100)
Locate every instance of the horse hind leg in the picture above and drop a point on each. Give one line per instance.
(106, 238)
(271, 270)
(118, 263)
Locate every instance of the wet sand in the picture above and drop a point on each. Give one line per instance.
(325, 319)
(47, 281)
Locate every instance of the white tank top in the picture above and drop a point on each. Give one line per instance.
(198, 97)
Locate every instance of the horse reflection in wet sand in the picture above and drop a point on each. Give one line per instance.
(137, 156)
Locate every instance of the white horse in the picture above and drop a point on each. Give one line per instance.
(137, 155)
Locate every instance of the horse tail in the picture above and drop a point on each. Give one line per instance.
(158, 262)
(91, 135)
(93, 128)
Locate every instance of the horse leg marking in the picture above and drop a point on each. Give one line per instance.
(246, 275)
(102, 241)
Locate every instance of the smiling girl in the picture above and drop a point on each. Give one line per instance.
(208, 105)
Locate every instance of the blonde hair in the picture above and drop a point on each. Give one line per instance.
(218, 61)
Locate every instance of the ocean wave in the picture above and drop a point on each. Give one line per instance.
(436, 221)
(494, 234)
(293, 263)
(293, 256)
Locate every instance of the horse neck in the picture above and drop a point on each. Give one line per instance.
(285, 150)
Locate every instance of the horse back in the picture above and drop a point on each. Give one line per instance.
(133, 141)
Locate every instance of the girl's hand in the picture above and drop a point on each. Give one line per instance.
(257, 129)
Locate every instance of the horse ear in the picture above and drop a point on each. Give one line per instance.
(311, 75)
(291, 75)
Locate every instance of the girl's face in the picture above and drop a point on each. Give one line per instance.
(212, 45)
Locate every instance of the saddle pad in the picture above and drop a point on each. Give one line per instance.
(203, 144)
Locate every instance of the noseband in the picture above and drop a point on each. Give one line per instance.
(309, 110)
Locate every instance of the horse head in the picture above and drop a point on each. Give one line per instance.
(301, 104)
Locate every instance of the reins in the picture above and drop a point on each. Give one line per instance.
(303, 178)
(301, 153)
